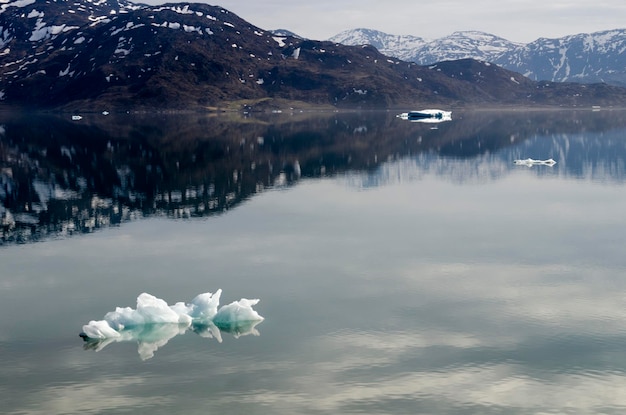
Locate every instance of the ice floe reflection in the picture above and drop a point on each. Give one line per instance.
(153, 323)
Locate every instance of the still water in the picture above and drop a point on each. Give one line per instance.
(401, 268)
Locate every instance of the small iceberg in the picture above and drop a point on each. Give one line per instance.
(426, 116)
(531, 162)
(153, 323)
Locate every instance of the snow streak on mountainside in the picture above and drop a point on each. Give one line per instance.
(46, 20)
(586, 58)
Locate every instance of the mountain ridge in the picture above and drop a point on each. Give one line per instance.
(95, 55)
(585, 57)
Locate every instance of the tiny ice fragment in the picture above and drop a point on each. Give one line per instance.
(530, 162)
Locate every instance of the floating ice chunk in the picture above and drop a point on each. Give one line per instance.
(237, 311)
(238, 318)
(153, 323)
(150, 310)
(531, 162)
(426, 116)
(99, 330)
(205, 305)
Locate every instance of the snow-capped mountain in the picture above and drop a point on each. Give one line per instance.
(586, 58)
(398, 46)
(458, 45)
(285, 32)
(463, 45)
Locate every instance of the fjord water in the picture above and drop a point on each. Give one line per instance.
(401, 268)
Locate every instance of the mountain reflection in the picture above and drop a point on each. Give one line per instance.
(59, 177)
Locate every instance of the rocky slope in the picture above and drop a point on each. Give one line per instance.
(113, 55)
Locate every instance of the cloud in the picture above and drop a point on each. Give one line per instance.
(99, 396)
(521, 21)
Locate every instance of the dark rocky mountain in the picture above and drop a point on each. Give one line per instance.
(113, 55)
(586, 57)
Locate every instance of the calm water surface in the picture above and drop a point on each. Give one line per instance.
(401, 268)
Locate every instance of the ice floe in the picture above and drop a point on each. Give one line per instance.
(427, 116)
(531, 162)
(153, 322)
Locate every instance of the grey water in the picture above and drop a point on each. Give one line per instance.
(401, 267)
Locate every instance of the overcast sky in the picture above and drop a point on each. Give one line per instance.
(515, 20)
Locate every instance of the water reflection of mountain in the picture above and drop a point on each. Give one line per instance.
(587, 146)
(60, 177)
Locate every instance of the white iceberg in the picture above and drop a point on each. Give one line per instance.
(150, 310)
(531, 162)
(153, 323)
(427, 116)
(238, 317)
(99, 330)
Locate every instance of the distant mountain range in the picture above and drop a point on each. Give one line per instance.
(586, 58)
(459, 45)
(95, 55)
